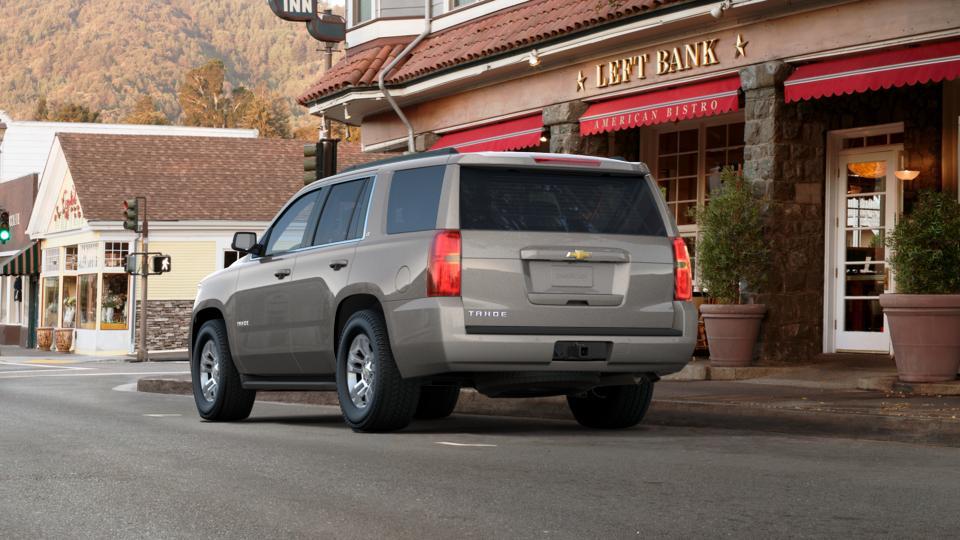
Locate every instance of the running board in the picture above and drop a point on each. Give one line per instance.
(312, 384)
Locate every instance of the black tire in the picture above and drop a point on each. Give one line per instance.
(391, 401)
(230, 401)
(436, 402)
(612, 407)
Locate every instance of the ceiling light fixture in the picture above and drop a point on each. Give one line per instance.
(534, 58)
(718, 10)
(903, 173)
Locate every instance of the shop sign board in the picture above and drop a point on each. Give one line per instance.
(67, 214)
(294, 10)
(639, 67)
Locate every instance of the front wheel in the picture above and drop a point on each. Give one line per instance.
(372, 394)
(612, 407)
(217, 390)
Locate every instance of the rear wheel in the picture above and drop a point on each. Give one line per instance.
(372, 394)
(612, 407)
(437, 402)
(217, 390)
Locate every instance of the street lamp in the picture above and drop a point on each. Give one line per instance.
(3, 131)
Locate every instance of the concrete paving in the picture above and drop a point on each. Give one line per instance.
(79, 459)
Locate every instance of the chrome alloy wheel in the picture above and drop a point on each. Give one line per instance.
(361, 371)
(209, 371)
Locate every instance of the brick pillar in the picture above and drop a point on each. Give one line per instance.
(563, 120)
(424, 141)
(784, 160)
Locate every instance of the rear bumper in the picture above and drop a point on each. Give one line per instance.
(428, 337)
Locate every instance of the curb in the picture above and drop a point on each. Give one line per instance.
(893, 384)
(678, 413)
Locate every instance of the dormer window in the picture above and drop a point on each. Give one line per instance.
(362, 11)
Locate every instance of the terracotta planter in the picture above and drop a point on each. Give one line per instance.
(64, 339)
(44, 338)
(732, 331)
(925, 331)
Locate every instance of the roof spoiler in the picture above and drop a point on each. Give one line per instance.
(404, 157)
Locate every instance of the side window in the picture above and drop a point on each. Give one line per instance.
(414, 199)
(289, 230)
(338, 212)
(360, 215)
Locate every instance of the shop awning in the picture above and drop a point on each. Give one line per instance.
(691, 101)
(873, 71)
(507, 135)
(26, 262)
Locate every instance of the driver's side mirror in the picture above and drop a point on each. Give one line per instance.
(245, 242)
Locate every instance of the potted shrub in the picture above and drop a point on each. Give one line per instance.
(924, 314)
(731, 252)
(64, 338)
(44, 338)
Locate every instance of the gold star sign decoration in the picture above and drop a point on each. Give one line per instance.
(741, 46)
(581, 81)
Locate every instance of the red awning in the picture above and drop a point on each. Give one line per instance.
(691, 101)
(508, 135)
(873, 71)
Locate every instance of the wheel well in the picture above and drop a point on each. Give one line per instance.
(202, 316)
(348, 306)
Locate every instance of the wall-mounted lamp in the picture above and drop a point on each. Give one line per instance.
(533, 58)
(544, 136)
(346, 113)
(718, 10)
(903, 173)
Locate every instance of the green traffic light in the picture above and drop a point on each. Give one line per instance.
(4, 235)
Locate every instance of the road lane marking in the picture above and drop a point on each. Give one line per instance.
(34, 365)
(29, 374)
(162, 415)
(446, 443)
(49, 361)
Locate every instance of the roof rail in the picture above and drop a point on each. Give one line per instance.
(404, 157)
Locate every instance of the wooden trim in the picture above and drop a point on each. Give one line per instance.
(949, 136)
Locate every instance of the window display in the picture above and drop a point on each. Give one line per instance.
(69, 302)
(51, 296)
(113, 315)
(87, 301)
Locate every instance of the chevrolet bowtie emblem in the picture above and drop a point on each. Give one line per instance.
(579, 255)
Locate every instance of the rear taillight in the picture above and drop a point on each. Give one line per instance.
(683, 276)
(443, 270)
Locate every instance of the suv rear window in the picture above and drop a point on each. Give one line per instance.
(500, 199)
(414, 199)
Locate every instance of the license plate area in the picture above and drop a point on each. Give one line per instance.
(582, 351)
(571, 275)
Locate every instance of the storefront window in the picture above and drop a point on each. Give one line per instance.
(113, 315)
(115, 254)
(51, 295)
(677, 160)
(87, 301)
(89, 256)
(69, 302)
(70, 258)
(51, 260)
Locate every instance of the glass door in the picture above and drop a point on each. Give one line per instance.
(868, 199)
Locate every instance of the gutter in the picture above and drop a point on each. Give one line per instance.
(427, 19)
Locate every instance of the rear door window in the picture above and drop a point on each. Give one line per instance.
(501, 199)
(338, 213)
(414, 199)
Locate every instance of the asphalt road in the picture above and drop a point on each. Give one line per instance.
(82, 458)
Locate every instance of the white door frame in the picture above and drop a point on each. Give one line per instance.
(831, 186)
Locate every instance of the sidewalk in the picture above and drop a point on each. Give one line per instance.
(15, 352)
(817, 399)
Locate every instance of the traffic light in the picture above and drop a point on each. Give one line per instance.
(161, 264)
(4, 227)
(310, 165)
(131, 215)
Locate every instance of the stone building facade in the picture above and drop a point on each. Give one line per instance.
(814, 107)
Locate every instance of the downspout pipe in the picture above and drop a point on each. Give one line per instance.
(427, 21)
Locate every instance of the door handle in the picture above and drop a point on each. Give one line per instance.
(280, 274)
(337, 265)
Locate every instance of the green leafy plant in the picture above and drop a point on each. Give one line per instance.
(926, 246)
(731, 248)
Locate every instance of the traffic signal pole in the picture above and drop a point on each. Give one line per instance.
(142, 355)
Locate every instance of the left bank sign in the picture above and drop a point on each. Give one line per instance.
(294, 10)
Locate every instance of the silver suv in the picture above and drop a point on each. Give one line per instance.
(398, 283)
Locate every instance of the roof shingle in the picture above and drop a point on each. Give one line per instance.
(522, 26)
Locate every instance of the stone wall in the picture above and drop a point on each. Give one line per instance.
(168, 324)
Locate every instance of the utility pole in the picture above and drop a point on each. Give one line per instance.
(144, 271)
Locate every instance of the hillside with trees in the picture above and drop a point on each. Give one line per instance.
(109, 61)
